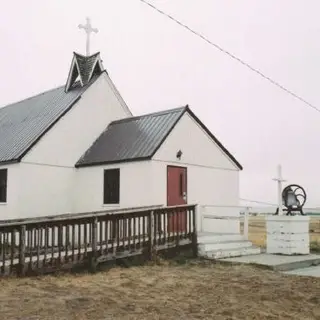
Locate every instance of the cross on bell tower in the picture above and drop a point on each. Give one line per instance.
(88, 29)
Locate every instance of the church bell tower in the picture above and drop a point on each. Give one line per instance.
(84, 67)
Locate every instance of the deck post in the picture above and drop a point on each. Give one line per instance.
(199, 215)
(151, 235)
(115, 235)
(195, 212)
(246, 223)
(176, 216)
(93, 260)
(22, 249)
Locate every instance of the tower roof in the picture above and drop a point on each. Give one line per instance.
(83, 68)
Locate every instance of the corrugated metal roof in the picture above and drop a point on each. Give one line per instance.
(85, 65)
(131, 138)
(24, 122)
(138, 138)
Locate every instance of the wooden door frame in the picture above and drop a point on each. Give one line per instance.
(180, 167)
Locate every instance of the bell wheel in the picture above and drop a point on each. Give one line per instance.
(298, 192)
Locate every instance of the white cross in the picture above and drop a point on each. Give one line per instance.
(279, 179)
(88, 29)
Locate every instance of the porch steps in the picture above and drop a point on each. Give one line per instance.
(219, 246)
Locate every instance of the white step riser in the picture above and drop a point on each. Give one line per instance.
(232, 253)
(225, 245)
(220, 238)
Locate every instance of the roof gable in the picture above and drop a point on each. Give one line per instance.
(83, 68)
(23, 123)
(139, 138)
(134, 138)
(214, 139)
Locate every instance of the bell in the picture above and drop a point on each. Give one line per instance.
(291, 198)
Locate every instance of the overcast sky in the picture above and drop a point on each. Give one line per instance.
(156, 64)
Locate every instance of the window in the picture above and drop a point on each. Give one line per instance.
(3, 185)
(111, 186)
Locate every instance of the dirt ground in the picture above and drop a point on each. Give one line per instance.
(257, 231)
(196, 290)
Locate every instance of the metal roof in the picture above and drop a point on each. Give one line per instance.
(86, 65)
(139, 138)
(85, 68)
(133, 138)
(23, 123)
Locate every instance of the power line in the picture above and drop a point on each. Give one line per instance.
(277, 84)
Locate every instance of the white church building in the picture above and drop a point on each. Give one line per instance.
(78, 148)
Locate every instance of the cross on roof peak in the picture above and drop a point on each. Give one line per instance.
(88, 29)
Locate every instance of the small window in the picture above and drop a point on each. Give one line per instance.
(111, 186)
(3, 185)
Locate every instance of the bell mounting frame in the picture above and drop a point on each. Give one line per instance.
(300, 196)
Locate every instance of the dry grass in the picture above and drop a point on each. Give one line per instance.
(257, 232)
(196, 290)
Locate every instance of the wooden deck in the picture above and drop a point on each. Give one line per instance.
(49, 244)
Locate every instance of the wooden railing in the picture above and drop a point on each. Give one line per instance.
(41, 245)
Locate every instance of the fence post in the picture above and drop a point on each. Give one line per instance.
(200, 211)
(60, 242)
(93, 262)
(195, 212)
(22, 249)
(114, 226)
(246, 223)
(151, 235)
(177, 217)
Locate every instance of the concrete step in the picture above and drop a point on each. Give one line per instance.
(309, 272)
(279, 262)
(218, 238)
(226, 245)
(295, 265)
(232, 252)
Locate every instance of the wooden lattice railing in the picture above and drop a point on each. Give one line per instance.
(41, 245)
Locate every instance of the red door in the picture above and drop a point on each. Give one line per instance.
(177, 195)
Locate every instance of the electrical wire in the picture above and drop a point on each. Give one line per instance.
(260, 73)
(231, 55)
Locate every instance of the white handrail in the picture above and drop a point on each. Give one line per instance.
(208, 216)
(224, 206)
(245, 217)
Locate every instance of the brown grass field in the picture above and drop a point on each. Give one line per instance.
(191, 291)
(168, 290)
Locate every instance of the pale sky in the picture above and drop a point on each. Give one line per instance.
(156, 65)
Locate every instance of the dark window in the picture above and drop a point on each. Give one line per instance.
(111, 186)
(3, 185)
